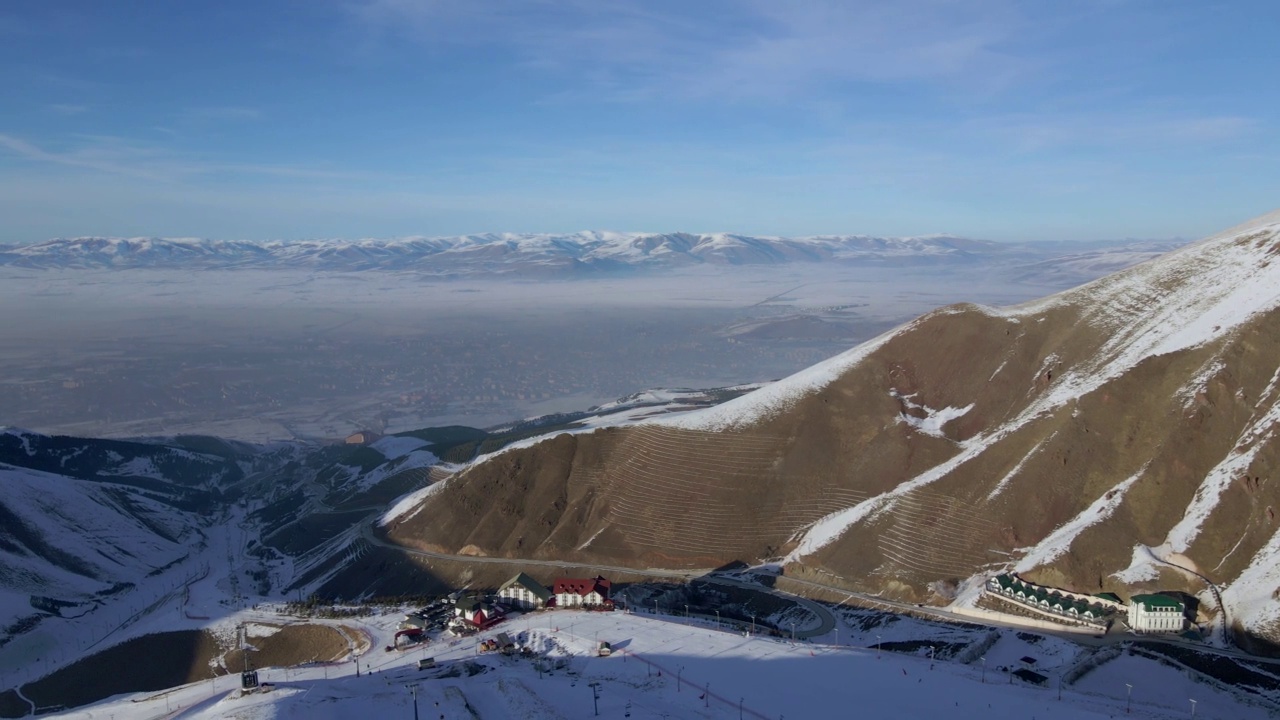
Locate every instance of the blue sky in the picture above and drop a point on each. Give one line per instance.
(1088, 119)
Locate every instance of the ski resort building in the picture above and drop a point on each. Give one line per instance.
(476, 612)
(526, 593)
(414, 620)
(1067, 606)
(1157, 613)
(580, 592)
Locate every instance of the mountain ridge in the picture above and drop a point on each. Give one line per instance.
(501, 253)
(1059, 438)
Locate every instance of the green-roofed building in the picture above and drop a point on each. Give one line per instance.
(526, 593)
(1157, 613)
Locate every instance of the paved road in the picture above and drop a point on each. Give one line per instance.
(826, 618)
(366, 531)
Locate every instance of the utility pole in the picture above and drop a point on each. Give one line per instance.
(679, 674)
(595, 697)
(413, 689)
(1128, 698)
(930, 657)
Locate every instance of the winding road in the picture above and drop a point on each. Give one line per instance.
(826, 620)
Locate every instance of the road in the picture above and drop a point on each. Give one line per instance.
(366, 531)
(827, 620)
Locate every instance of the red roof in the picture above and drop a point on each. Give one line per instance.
(582, 586)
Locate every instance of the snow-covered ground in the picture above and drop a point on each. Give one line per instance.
(663, 667)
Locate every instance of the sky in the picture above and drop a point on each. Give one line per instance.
(291, 119)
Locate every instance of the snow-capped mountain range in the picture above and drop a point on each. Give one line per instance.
(546, 253)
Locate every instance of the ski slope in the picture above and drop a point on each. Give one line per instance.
(667, 666)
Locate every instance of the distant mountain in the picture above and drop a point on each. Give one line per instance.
(487, 254)
(82, 521)
(88, 523)
(1120, 436)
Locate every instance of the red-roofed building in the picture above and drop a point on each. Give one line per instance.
(582, 592)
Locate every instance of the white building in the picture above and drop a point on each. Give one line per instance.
(582, 592)
(524, 592)
(1156, 613)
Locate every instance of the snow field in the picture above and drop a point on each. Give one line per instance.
(663, 667)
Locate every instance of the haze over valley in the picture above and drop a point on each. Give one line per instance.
(113, 344)
(559, 360)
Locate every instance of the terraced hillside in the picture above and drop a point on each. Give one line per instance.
(1084, 440)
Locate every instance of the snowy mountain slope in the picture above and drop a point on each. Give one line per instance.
(164, 468)
(76, 542)
(1139, 409)
(506, 252)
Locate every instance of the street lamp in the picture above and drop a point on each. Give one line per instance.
(878, 643)
(930, 657)
(686, 614)
(753, 624)
(1128, 697)
(595, 697)
(717, 619)
(679, 674)
(984, 668)
(1193, 706)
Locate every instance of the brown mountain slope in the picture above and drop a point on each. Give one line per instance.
(1062, 439)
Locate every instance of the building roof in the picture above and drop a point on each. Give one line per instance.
(1109, 596)
(536, 588)
(1030, 676)
(1156, 600)
(467, 604)
(582, 586)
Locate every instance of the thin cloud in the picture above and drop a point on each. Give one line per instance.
(1127, 130)
(120, 156)
(766, 50)
(223, 113)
